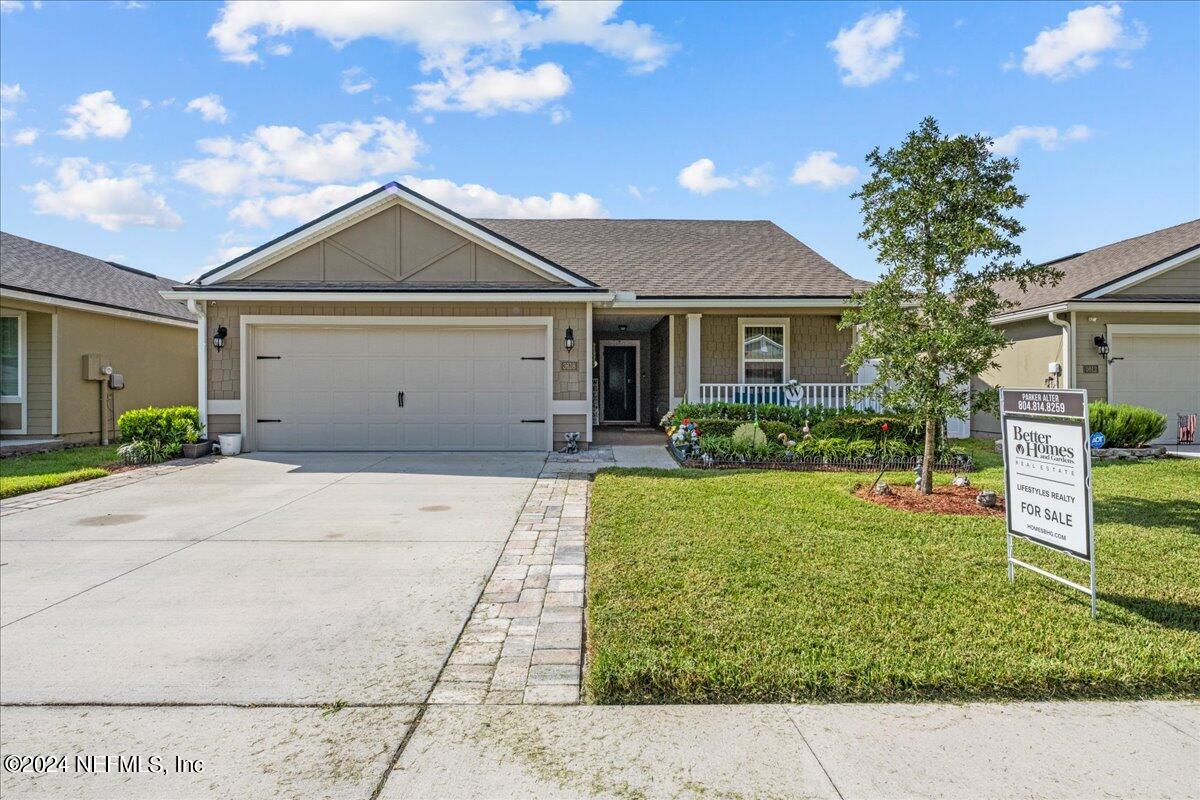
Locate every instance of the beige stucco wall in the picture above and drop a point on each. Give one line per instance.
(817, 350)
(158, 362)
(1034, 344)
(1184, 279)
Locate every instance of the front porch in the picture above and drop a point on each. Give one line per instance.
(646, 362)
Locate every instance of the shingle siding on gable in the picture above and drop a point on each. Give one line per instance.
(395, 245)
(1182, 280)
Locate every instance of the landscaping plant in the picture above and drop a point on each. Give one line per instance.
(1125, 425)
(937, 212)
(155, 434)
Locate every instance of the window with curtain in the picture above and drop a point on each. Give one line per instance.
(763, 353)
(10, 356)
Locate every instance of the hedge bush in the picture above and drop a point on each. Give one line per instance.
(870, 427)
(1125, 425)
(744, 412)
(158, 433)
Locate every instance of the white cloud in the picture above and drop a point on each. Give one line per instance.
(469, 199)
(96, 114)
(280, 49)
(868, 52)
(132, 5)
(25, 136)
(701, 178)
(83, 190)
(1047, 137)
(275, 158)
(474, 48)
(490, 90)
(258, 212)
(1077, 46)
(634, 191)
(210, 107)
(473, 200)
(356, 80)
(11, 93)
(9, 6)
(821, 169)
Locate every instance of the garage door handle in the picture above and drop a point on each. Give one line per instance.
(533, 358)
(533, 420)
(268, 420)
(400, 399)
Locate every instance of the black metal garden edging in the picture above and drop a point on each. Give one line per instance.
(963, 463)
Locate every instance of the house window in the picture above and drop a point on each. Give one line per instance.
(11, 350)
(764, 350)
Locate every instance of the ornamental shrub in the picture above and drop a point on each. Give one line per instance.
(726, 427)
(869, 427)
(744, 412)
(161, 432)
(749, 434)
(1125, 425)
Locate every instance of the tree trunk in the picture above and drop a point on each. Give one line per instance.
(927, 457)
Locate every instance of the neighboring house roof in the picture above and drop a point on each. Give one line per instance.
(1090, 272)
(666, 258)
(29, 266)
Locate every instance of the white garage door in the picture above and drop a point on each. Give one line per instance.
(403, 388)
(1158, 371)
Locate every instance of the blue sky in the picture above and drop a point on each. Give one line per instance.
(170, 135)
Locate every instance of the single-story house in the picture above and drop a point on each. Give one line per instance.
(1124, 324)
(65, 318)
(394, 323)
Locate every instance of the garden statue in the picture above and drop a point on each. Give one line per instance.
(917, 472)
(572, 443)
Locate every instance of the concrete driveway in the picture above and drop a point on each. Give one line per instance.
(222, 611)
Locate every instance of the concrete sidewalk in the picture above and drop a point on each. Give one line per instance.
(1017, 750)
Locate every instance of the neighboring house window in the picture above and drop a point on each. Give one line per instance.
(764, 353)
(12, 351)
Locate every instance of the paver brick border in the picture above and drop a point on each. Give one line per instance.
(524, 641)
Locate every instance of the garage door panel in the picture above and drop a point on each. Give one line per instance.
(336, 388)
(1158, 371)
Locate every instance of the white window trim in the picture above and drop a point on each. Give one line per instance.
(637, 377)
(762, 322)
(22, 361)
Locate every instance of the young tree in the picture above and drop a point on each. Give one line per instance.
(936, 212)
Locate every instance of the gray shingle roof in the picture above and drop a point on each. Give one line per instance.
(1094, 269)
(682, 257)
(44, 269)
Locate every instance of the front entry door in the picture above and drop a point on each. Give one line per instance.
(620, 383)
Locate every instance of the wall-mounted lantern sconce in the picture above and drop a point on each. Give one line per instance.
(569, 340)
(219, 337)
(1101, 344)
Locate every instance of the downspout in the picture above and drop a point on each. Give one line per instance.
(1066, 348)
(198, 308)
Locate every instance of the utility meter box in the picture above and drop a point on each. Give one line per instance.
(93, 367)
(116, 381)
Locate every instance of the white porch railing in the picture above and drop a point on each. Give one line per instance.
(828, 395)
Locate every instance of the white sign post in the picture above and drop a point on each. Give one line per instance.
(1048, 476)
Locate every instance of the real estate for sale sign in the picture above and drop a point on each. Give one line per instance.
(1047, 475)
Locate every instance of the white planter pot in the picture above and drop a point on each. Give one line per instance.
(230, 443)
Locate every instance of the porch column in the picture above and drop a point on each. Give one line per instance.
(199, 308)
(693, 358)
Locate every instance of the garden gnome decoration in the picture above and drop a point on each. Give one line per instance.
(917, 472)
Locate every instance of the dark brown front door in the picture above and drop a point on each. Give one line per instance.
(620, 383)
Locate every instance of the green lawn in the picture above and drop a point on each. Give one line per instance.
(23, 474)
(773, 586)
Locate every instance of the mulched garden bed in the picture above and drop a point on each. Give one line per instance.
(944, 500)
